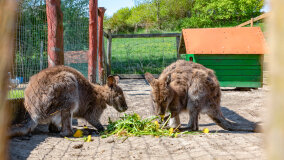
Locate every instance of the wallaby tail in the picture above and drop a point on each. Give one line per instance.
(24, 128)
(220, 120)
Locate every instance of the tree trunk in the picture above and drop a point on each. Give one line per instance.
(275, 127)
(7, 27)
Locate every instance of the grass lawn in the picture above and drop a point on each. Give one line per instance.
(140, 55)
(16, 94)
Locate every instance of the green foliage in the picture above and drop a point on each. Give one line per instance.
(175, 15)
(216, 13)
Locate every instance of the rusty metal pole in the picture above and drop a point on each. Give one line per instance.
(101, 34)
(93, 43)
(55, 33)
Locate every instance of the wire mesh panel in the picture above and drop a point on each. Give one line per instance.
(140, 55)
(30, 45)
(31, 41)
(76, 34)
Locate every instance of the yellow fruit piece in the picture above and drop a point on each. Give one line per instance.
(205, 130)
(157, 124)
(85, 127)
(78, 134)
(89, 138)
(171, 130)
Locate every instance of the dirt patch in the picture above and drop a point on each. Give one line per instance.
(238, 106)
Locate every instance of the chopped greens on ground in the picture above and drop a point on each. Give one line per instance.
(132, 125)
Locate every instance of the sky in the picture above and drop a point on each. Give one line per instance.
(113, 5)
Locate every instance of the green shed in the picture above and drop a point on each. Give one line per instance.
(235, 54)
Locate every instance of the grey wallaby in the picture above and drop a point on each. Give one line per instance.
(56, 94)
(185, 85)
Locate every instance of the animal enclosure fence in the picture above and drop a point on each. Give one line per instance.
(134, 54)
(31, 41)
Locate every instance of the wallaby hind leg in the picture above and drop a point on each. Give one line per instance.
(55, 124)
(193, 120)
(23, 129)
(66, 120)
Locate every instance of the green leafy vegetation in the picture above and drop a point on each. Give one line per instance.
(132, 125)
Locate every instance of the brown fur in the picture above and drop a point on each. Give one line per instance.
(56, 94)
(190, 86)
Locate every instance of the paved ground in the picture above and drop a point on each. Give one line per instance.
(239, 106)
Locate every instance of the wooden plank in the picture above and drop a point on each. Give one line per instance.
(230, 62)
(146, 35)
(228, 56)
(225, 67)
(265, 15)
(240, 78)
(222, 72)
(240, 84)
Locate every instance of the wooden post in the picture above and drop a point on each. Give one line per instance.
(251, 22)
(109, 41)
(275, 127)
(41, 55)
(7, 27)
(93, 40)
(55, 33)
(104, 63)
(101, 35)
(177, 43)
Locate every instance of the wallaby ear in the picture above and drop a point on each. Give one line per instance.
(168, 80)
(116, 79)
(149, 78)
(111, 81)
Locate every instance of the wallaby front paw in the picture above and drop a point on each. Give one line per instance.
(66, 133)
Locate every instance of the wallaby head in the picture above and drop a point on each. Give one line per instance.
(116, 96)
(161, 93)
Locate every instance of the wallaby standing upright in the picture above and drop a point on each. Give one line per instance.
(185, 85)
(56, 94)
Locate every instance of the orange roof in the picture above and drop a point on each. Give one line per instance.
(237, 40)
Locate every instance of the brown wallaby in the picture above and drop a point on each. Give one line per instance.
(56, 94)
(185, 85)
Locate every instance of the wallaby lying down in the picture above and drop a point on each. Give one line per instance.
(190, 86)
(56, 94)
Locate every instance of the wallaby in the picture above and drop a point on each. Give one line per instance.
(186, 85)
(56, 94)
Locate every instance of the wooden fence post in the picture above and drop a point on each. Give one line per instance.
(275, 127)
(7, 26)
(177, 43)
(101, 35)
(109, 41)
(93, 40)
(55, 48)
(251, 22)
